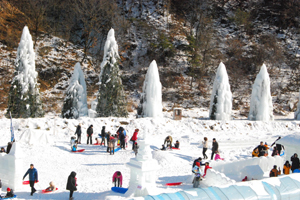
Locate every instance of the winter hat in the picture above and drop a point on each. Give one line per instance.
(8, 189)
(214, 138)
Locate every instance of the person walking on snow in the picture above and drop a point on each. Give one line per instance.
(103, 134)
(134, 137)
(205, 147)
(215, 147)
(89, 132)
(78, 132)
(33, 177)
(71, 184)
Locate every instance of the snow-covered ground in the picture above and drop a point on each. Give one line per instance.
(95, 167)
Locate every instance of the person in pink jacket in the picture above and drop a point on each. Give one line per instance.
(134, 137)
(117, 177)
(218, 156)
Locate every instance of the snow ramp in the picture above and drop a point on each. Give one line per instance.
(283, 187)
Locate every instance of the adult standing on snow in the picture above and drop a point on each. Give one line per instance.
(33, 177)
(122, 139)
(78, 132)
(295, 162)
(89, 132)
(205, 146)
(103, 134)
(134, 138)
(215, 148)
(71, 184)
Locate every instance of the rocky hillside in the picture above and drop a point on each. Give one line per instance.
(187, 38)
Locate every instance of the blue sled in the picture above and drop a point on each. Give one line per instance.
(9, 197)
(119, 190)
(282, 153)
(117, 149)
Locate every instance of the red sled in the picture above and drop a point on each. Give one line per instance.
(48, 191)
(173, 184)
(27, 182)
(175, 148)
(81, 150)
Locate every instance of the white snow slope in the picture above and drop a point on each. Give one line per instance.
(95, 167)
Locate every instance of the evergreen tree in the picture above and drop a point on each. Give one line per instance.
(24, 99)
(75, 102)
(111, 97)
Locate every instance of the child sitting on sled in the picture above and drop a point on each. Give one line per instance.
(10, 193)
(51, 187)
(74, 148)
(176, 145)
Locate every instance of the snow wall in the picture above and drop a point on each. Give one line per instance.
(237, 170)
(283, 187)
(291, 144)
(11, 166)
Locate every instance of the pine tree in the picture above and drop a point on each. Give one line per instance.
(212, 115)
(75, 102)
(111, 97)
(24, 99)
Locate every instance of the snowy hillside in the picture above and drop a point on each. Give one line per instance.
(94, 167)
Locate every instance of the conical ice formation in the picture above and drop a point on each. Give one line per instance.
(151, 100)
(75, 102)
(221, 96)
(261, 107)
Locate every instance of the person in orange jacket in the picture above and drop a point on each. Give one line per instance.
(286, 167)
(255, 152)
(274, 172)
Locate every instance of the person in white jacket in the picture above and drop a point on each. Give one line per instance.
(205, 146)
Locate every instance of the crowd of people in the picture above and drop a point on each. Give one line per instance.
(109, 140)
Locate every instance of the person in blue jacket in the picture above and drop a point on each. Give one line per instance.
(33, 176)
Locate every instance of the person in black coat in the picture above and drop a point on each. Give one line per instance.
(89, 134)
(295, 162)
(78, 132)
(261, 149)
(103, 134)
(122, 139)
(215, 148)
(71, 184)
(107, 140)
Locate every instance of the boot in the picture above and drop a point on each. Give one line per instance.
(71, 198)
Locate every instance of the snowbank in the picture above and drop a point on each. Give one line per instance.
(237, 170)
(31, 137)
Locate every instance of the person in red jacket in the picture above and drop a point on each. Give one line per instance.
(117, 177)
(205, 169)
(134, 138)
